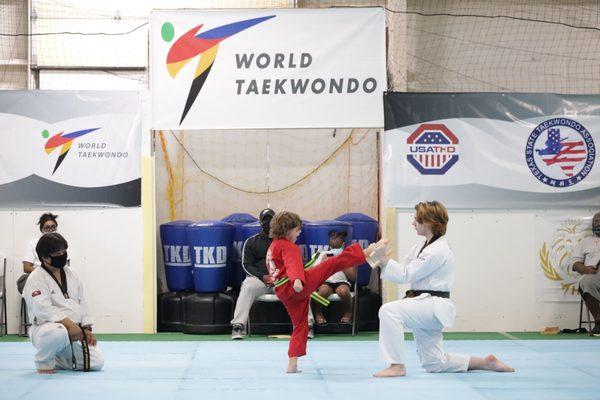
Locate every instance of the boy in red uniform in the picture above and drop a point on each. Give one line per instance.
(293, 284)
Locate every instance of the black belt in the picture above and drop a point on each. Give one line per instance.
(415, 293)
(85, 350)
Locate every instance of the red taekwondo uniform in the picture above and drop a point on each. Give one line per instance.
(284, 262)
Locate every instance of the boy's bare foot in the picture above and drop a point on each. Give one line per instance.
(346, 318)
(46, 371)
(391, 371)
(293, 366)
(320, 320)
(493, 364)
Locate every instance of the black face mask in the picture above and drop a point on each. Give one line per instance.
(596, 229)
(59, 261)
(266, 225)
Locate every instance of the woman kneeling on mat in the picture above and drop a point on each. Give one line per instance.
(294, 285)
(426, 308)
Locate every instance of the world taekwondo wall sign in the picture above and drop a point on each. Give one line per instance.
(81, 147)
(268, 68)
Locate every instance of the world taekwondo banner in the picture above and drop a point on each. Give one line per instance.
(491, 150)
(70, 148)
(294, 68)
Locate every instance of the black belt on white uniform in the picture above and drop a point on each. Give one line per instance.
(415, 293)
(85, 350)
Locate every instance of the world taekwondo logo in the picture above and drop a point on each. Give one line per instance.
(205, 44)
(433, 149)
(560, 152)
(64, 141)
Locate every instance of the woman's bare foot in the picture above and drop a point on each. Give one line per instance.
(320, 320)
(391, 371)
(293, 366)
(46, 371)
(491, 363)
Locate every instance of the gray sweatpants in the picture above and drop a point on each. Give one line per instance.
(591, 284)
(252, 288)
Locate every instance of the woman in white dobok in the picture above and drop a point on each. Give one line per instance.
(426, 309)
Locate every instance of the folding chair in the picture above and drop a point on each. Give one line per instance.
(25, 324)
(589, 316)
(354, 293)
(3, 316)
(268, 298)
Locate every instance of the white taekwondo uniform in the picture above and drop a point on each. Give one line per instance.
(426, 315)
(47, 305)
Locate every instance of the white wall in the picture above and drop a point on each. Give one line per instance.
(105, 248)
(496, 262)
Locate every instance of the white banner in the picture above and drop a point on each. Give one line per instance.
(69, 148)
(463, 161)
(282, 68)
(90, 151)
(556, 238)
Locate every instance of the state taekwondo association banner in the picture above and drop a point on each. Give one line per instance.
(282, 68)
(70, 148)
(491, 150)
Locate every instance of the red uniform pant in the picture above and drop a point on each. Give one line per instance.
(297, 304)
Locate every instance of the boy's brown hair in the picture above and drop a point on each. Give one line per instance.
(283, 222)
(434, 214)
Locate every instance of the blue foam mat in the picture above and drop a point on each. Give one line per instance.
(565, 369)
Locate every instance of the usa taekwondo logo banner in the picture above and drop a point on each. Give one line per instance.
(70, 148)
(487, 150)
(433, 149)
(296, 68)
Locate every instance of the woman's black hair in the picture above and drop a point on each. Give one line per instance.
(45, 218)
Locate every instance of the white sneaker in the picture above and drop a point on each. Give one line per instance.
(237, 333)
(311, 332)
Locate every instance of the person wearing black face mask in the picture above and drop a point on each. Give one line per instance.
(61, 328)
(586, 260)
(256, 283)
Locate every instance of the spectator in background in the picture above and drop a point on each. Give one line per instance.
(47, 224)
(586, 260)
(336, 283)
(257, 283)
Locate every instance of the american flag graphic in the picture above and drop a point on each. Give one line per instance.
(566, 154)
(432, 160)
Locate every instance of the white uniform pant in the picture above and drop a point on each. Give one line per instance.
(54, 349)
(252, 288)
(416, 314)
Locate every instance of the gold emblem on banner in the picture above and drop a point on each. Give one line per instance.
(555, 256)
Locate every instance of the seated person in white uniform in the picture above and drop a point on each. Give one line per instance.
(337, 282)
(48, 224)
(586, 260)
(61, 329)
(426, 309)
